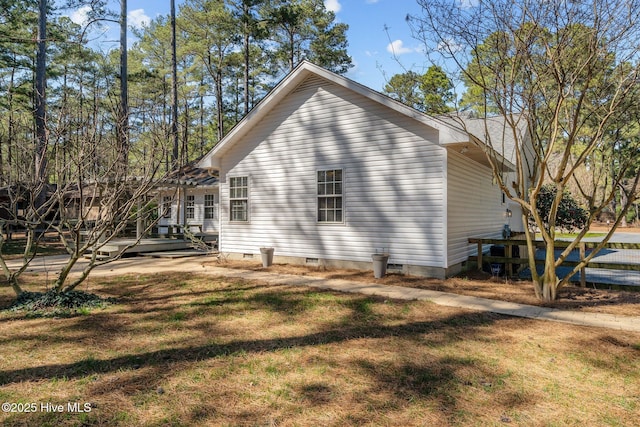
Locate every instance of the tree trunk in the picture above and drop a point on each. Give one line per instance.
(624, 201)
(247, 58)
(123, 119)
(40, 107)
(174, 90)
(219, 104)
(201, 100)
(547, 285)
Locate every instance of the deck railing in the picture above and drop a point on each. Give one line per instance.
(509, 261)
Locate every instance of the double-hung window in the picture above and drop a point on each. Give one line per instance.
(190, 207)
(166, 206)
(209, 206)
(239, 198)
(330, 206)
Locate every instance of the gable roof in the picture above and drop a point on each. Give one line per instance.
(447, 132)
(450, 133)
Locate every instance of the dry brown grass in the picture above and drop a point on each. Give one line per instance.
(195, 350)
(478, 284)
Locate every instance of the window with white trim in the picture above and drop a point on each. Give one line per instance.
(166, 206)
(190, 207)
(330, 206)
(239, 198)
(209, 206)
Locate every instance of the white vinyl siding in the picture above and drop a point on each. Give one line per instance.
(475, 206)
(394, 177)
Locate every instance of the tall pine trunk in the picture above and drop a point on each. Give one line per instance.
(40, 160)
(123, 117)
(174, 90)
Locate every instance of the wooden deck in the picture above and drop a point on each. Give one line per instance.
(146, 245)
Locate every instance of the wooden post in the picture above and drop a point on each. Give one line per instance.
(583, 272)
(509, 266)
(479, 256)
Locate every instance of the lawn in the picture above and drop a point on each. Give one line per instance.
(14, 248)
(180, 349)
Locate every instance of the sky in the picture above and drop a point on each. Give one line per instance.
(380, 40)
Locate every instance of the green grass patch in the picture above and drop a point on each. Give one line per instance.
(574, 235)
(16, 247)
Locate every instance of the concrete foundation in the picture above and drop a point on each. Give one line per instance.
(413, 270)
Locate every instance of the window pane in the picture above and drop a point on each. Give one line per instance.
(238, 210)
(166, 207)
(330, 195)
(238, 203)
(190, 208)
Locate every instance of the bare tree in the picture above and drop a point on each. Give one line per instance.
(568, 70)
(86, 211)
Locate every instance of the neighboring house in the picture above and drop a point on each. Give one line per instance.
(190, 198)
(329, 172)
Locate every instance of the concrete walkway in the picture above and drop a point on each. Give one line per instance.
(142, 265)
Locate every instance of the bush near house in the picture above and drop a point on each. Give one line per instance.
(571, 216)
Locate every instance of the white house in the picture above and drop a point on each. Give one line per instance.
(189, 199)
(329, 172)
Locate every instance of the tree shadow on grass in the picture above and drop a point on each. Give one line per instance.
(170, 356)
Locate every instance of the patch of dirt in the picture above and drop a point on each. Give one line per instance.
(477, 284)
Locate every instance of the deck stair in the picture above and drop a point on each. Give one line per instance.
(129, 246)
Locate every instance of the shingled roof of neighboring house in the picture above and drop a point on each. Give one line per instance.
(191, 175)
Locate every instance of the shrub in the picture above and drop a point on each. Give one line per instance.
(570, 215)
(52, 303)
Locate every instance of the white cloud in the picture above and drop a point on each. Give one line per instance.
(468, 4)
(137, 18)
(80, 16)
(372, 1)
(397, 47)
(333, 5)
(450, 46)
